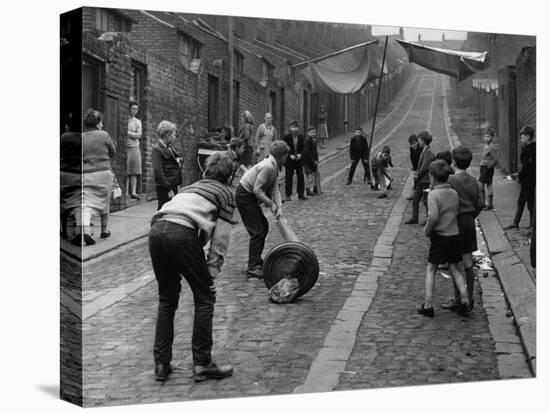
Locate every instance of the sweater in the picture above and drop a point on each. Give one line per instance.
(442, 211)
(261, 180)
(469, 194)
(206, 206)
(97, 151)
(489, 156)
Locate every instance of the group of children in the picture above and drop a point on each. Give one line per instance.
(454, 200)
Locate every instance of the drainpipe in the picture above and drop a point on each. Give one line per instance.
(231, 67)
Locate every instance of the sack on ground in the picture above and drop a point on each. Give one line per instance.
(285, 290)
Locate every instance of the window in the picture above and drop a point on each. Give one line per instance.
(91, 83)
(107, 22)
(267, 70)
(238, 61)
(137, 88)
(188, 50)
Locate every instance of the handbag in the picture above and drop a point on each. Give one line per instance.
(116, 191)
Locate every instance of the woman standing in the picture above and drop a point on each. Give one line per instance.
(246, 133)
(265, 135)
(133, 164)
(322, 132)
(92, 180)
(166, 163)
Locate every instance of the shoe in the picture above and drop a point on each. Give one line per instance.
(411, 221)
(372, 187)
(302, 197)
(511, 226)
(288, 198)
(105, 234)
(211, 371)
(135, 197)
(471, 305)
(488, 207)
(162, 371)
(383, 195)
(88, 240)
(389, 187)
(452, 305)
(409, 198)
(463, 309)
(255, 273)
(309, 193)
(422, 310)
(348, 183)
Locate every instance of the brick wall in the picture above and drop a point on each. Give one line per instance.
(526, 86)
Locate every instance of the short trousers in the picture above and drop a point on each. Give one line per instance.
(467, 230)
(444, 249)
(486, 174)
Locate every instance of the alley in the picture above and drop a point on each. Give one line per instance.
(275, 349)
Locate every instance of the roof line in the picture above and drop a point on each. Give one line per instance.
(208, 29)
(157, 19)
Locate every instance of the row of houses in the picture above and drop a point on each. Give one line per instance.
(201, 72)
(504, 96)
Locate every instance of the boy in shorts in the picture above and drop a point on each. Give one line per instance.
(489, 158)
(470, 205)
(442, 229)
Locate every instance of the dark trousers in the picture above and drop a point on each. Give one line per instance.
(162, 195)
(353, 166)
(289, 174)
(177, 251)
(255, 223)
(418, 195)
(526, 196)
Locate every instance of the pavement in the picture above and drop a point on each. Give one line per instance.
(356, 328)
(508, 249)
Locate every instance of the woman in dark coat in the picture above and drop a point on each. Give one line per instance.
(166, 163)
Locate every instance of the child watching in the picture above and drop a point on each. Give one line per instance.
(311, 160)
(489, 158)
(442, 228)
(415, 151)
(469, 206)
(359, 151)
(380, 163)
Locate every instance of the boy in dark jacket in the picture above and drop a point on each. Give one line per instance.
(421, 177)
(311, 160)
(294, 162)
(359, 151)
(469, 206)
(527, 175)
(415, 151)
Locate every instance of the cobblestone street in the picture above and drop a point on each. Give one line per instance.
(366, 255)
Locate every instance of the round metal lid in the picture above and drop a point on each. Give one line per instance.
(294, 259)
